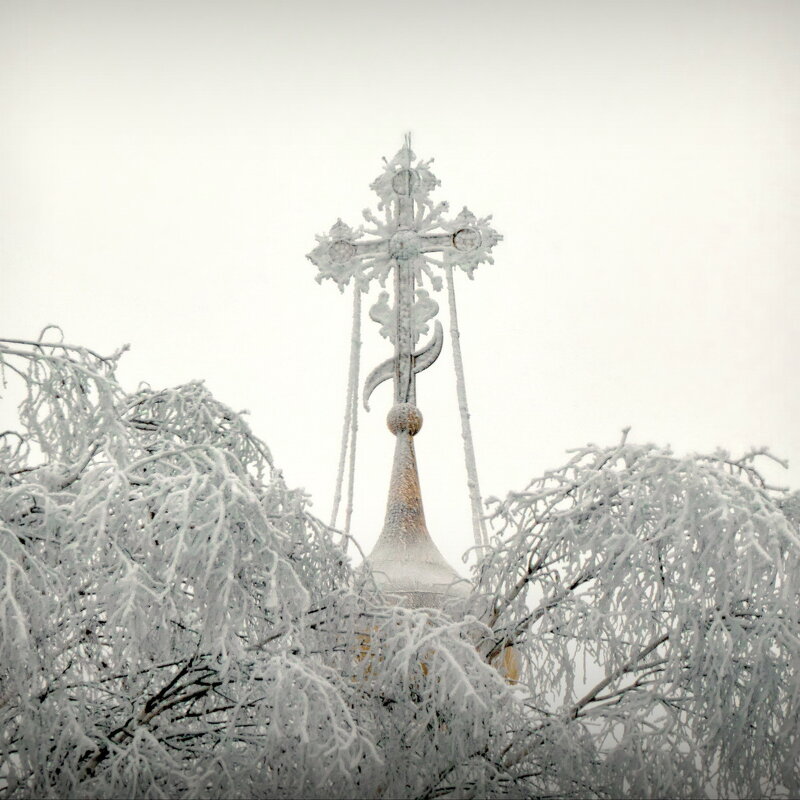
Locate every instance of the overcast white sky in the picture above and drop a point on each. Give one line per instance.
(164, 167)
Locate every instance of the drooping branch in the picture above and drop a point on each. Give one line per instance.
(629, 666)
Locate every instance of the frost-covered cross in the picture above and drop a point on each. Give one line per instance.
(409, 240)
(414, 240)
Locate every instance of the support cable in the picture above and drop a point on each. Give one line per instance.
(350, 426)
(355, 345)
(478, 523)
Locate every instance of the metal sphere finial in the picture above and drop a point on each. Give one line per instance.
(404, 417)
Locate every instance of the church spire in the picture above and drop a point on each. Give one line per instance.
(413, 241)
(405, 559)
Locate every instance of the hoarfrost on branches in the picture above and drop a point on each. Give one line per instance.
(678, 577)
(174, 622)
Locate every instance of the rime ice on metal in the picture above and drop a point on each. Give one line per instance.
(413, 240)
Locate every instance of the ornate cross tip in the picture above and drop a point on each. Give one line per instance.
(334, 253)
(416, 241)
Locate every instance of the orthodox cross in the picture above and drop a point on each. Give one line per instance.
(413, 240)
(408, 241)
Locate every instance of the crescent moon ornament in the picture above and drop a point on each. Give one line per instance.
(423, 358)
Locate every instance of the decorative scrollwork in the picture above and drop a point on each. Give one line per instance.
(415, 239)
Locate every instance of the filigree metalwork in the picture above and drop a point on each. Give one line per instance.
(414, 239)
(425, 308)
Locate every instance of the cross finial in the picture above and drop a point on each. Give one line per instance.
(414, 240)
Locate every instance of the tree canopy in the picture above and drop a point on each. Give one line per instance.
(175, 623)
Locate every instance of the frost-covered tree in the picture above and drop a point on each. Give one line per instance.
(174, 622)
(655, 601)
